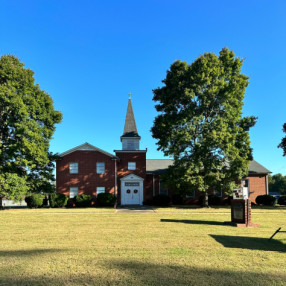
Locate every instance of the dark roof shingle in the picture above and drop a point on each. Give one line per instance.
(130, 129)
(159, 166)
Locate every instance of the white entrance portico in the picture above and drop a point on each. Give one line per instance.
(132, 190)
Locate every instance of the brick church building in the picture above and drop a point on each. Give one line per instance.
(127, 173)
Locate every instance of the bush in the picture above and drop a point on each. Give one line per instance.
(161, 200)
(58, 200)
(105, 200)
(265, 200)
(148, 202)
(178, 199)
(214, 200)
(282, 200)
(82, 201)
(35, 201)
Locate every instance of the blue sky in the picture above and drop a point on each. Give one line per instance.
(88, 55)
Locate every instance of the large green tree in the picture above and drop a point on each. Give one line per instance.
(277, 183)
(283, 141)
(200, 122)
(27, 123)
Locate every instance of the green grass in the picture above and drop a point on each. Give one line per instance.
(82, 247)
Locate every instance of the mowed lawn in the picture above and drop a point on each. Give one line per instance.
(167, 247)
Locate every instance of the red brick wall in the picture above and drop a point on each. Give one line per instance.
(149, 186)
(148, 194)
(87, 179)
(257, 186)
(122, 168)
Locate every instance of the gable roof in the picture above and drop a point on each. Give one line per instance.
(159, 166)
(130, 129)
(256, 168)
(86, 147)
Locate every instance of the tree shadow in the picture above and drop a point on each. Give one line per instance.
(28, 252)
(189, 221)
(253, 243)
(133, 272)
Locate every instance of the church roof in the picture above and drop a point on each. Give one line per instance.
(86, 147)
(159, 166)
(130, 129)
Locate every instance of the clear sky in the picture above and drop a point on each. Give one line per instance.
(88, 55)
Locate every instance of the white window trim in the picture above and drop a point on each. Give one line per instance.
(133, 168)
(70, 169)
(73, 192)
(216, 191)
(100, 192)
(191, 196)
(97, 171)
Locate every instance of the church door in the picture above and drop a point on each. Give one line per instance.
(131, 193)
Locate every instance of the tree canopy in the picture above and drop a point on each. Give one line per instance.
(277, 183)
(283, 141)
(27, 123)
(200, 122)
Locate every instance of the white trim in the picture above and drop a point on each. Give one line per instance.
(74, 193)
(85, 147)
(100, 192)
(99, 167)
(131, 178)
(130, 151)
(73, 170)
(131, 165)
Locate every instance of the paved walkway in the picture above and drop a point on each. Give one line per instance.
(134, 209)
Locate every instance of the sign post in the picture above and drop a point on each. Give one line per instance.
(241, 209)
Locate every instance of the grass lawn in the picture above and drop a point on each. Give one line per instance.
(88, 247)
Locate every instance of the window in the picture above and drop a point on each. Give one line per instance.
(100, 190)
(218, 193)
(163, 188)
(100, 168)
(73, 168)
(131, 165)
(73, 192)
(190, 194)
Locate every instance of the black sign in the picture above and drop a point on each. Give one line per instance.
(132, 184)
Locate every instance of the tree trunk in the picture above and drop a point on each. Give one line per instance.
(206, 200)
(1, 204)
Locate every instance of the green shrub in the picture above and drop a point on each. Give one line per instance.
(35, 201)
(161, 200)
(58, 200)
(265, 200)
(105, 200)
(82, 201)
(282, 200)
(214, 200)
(178, 199)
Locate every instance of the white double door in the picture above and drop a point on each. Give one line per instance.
(132, 193)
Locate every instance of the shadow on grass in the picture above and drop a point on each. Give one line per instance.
(133, 272)
(29, 252)
(189, 221)
(253, 243)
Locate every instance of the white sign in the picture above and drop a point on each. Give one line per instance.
(240, 194)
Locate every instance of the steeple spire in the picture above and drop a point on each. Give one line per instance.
(130, 138)
(130, 129)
